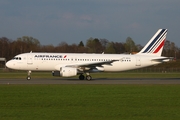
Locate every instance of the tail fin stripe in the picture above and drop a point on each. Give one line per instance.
(155, 39)
(158, 42)
(159, 47)
(155, 45)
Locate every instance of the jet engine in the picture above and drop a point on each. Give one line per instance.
(65, 72)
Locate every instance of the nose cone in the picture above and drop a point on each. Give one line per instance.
(9, 64)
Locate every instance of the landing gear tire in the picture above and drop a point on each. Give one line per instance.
(88, 77)
(81, 77)
(28, 78)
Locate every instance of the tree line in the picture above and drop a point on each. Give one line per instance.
(9, 48)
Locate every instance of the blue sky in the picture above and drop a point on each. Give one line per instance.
(72, 21)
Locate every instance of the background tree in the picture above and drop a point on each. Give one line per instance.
(170, 50)
(130, 45)
(110, 48)
(94, 45)
(139, 47)
(119, 47)
(81, 44)
(81, 48)
(5, 50)
(47, 48)
(62, 47)
(104, 44)
(28, 44)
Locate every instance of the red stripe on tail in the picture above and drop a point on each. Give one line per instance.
(159, 47)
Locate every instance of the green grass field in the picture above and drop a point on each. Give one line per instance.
(90, 102)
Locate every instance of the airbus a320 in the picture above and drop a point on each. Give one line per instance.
(72, 64)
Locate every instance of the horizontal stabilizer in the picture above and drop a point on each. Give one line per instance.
(164, 59)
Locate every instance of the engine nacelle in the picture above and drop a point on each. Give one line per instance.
(65, 72)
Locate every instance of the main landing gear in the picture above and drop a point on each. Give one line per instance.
(29, 75)
(82, 77)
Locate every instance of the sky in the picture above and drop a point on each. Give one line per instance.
(72, 21)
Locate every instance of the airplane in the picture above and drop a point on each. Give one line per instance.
(72, 64)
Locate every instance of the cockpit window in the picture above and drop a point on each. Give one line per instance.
(17, 58)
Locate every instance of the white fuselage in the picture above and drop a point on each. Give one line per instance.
(54, 61)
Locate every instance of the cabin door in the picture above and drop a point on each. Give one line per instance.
(138, 61)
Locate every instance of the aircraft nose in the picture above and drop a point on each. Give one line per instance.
(9, 64)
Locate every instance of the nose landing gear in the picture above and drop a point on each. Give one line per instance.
(29, 75)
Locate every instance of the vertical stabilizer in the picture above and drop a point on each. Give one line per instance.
(155, 44)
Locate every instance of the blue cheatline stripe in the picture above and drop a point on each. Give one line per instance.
(154, 40)
(157, 42)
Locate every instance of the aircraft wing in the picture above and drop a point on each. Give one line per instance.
(92, 64)
(87, 66)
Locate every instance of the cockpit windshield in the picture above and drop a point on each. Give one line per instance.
(17, 58)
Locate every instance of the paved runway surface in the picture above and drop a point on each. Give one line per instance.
(94, 81)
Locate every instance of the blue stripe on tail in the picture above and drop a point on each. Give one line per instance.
(155, 39)
(157, 42)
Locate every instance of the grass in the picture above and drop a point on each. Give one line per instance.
(90, 102)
